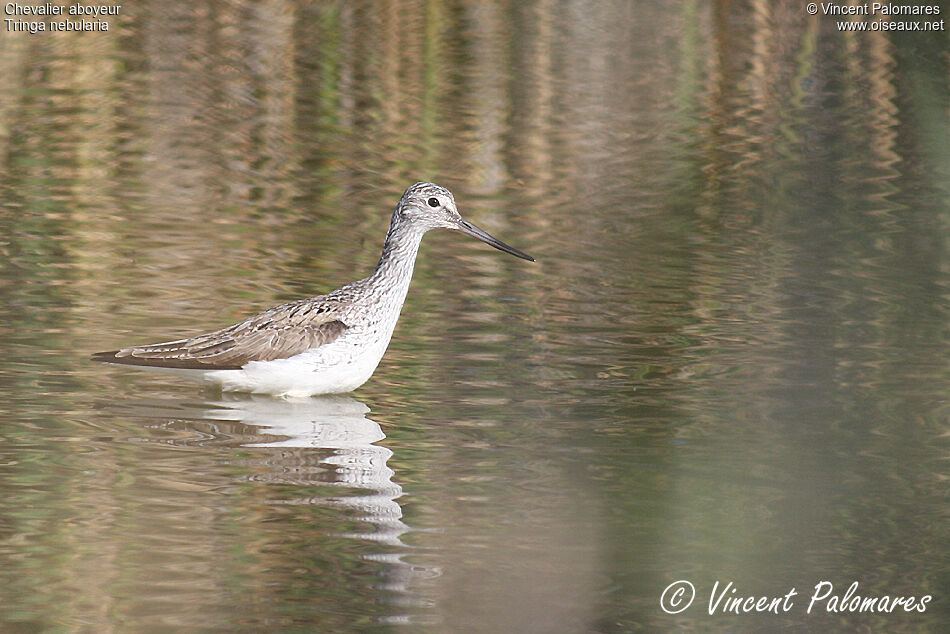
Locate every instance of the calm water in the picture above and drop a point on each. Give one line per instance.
(731, 362)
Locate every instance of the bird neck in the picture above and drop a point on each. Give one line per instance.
(399, 255)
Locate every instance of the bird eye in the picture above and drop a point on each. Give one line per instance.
(433, 202)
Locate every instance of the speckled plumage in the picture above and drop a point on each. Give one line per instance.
(320, 345)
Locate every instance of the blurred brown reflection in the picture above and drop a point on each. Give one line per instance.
(732, 347)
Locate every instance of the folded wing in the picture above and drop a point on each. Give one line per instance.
(277, 333)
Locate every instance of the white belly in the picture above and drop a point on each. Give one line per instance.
(335, 368)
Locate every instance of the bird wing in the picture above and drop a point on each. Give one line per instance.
(276, 333)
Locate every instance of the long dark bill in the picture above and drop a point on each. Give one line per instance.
(469, 229)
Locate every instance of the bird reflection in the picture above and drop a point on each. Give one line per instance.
(338, 425)
(326, 441)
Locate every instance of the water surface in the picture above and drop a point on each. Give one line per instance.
(729, 364)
